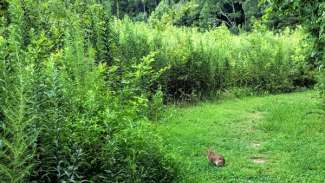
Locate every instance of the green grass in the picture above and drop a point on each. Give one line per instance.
(287, 131)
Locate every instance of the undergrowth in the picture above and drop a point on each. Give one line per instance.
(202, 64)
(62, 119)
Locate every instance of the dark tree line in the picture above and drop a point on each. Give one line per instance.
(213, 13)
(206, 13)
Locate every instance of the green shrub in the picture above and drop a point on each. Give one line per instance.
(134, 150)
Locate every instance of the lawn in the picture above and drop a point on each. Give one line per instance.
(277, 138)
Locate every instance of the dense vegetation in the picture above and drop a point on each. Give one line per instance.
(79, 84)
(61, 118)
(204, 14)
(237, 15)
(203, 64)
(311, 15)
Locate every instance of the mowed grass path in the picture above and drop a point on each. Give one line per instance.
(278, 138)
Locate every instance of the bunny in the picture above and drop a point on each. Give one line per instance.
(216, 159)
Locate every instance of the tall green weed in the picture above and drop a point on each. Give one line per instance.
(62, 117)
(202, 63)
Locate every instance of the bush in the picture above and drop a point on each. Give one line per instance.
(134, 150)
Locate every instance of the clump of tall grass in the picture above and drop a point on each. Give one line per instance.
(203, 63)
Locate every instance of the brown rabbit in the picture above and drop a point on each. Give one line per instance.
(216, 159)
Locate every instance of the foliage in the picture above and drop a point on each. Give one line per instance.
(78, 87)
(62, 119)
(18, 107)
(137, 9)
(3, 7)
(200, 64)
(205, 14)
(311, 15)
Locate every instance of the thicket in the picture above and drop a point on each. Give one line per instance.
(310, 14)
(62, 119)
(203, 64)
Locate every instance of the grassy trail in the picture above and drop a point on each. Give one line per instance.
(278, 138)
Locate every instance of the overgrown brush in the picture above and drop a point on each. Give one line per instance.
(200, 64)
(62, 118)
(18, 109)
